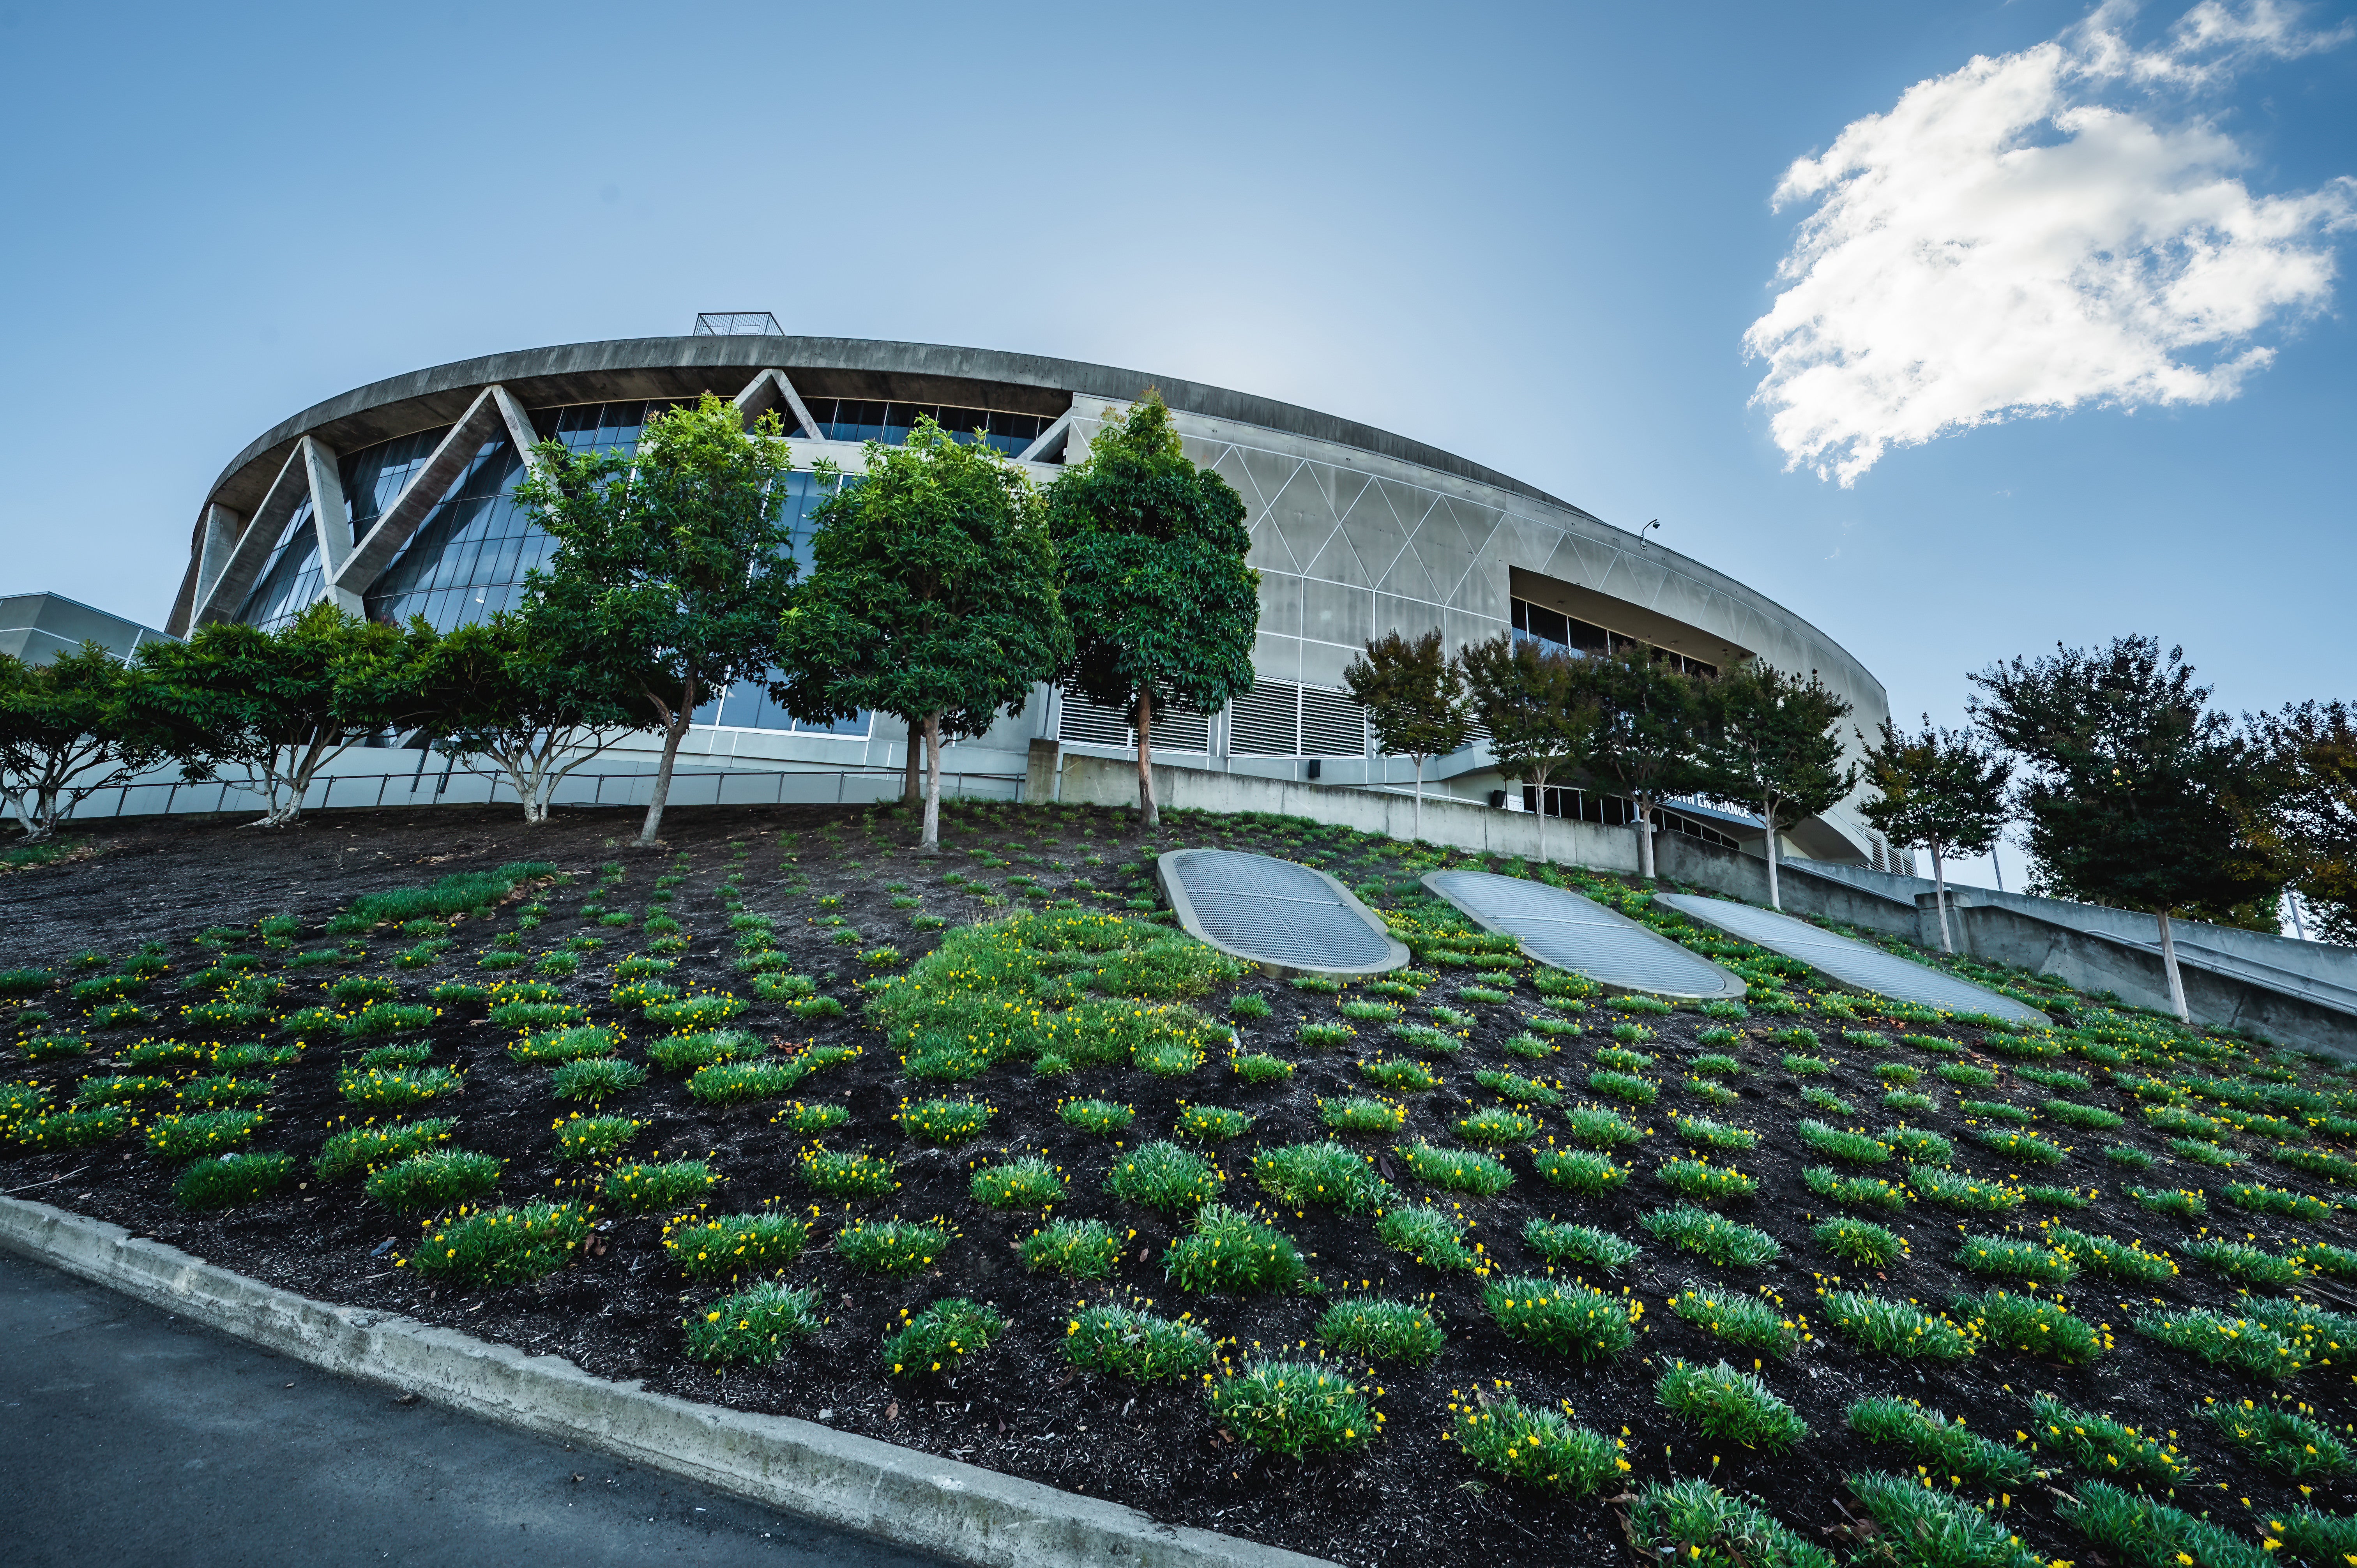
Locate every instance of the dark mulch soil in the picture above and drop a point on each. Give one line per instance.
(1019, 1408)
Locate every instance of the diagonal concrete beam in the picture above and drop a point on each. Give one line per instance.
(1047, 438)
(221, 526)
(238, 573)
(331, 516)
(769, 389)
(367, 560)
(518, 422)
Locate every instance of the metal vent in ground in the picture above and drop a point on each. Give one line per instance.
(1560, 927)
(1853, 963)
(1279, 915)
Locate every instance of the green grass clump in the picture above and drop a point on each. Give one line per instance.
(2014, 1258)
(1322, 1174)
(2201, 1152)
(1166, 1177)
(1458, 1170)
(2104, 1447)
(1726, 1403)
(1996, 1110)
(1715, 1064)
(1250, 1005)
(1136, 1345)
(2127, 1262)
(754, 1326)
(1536, 1448)
(398, 1089)
(1399, 1075)
(1212, 1124)
(2316, 1536)
(944, 1121)
(1907, 1102)
(1101, 1117)
(1258, 1066)
(686, 1053)
(2010, 1322)
(596, 1078)
(898, 1248)
(1026, 1183)
(849, 1173)
(2131, 1527)
(2260, 1198)
(731, 1246)
(1325, 1037)
(1292, 1408)
(1855, 1148)
(1371, 1012)
(1853, 1192)
(116, 1090)
(1938, 1530)
(566, 1044)
(2240, 1261)
(1361, 1113)
(1587, 1171)
(415, 1053)
(2182, 1203)
(501, 1246)
(1557, 1315)
(2242, 1343)
(2333, 1167)
(1888, 1327)
(434, 1179)
(1432, 1237)
(658, 1188)
(1745, 1320)
(1954, 1189)
(1232, 1253)
(2278, 1439)
(2335, 1263)
(1514, 1087)
(1378, 1330)
(381, 1019)
(1699, 1181)
(739, 1083)
(940, 1337)
(1496, 1124)
(2090, 1118)
(1826, 1100)
(1529, 1047)
(1801, 1066)
(1711, 1236)
(2027, 1147)
(1625, 1087)
(1077, 1249)
(55, 1047)
(1943, 1446)
(203, 1133)
(1715, 1135)
(1596, 1127)
(1578, 1246)
(1857, 1242)
(1923, 1147)
(1693, 1523)
(220, 1181)
(689, 1013)
(357, 1149)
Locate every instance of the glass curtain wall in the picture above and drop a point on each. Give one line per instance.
(290, 578)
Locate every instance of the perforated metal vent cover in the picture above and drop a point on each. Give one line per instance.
(1278, 914)
(1561, 928)
(1850, 962)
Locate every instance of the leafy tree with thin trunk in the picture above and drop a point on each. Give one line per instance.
(1650, 718)
(2310, 822)
(1942, 788)
(1161, 606)
(1527, 696)
(63, 735)
(1414, 697)
(2134, 790)
(278, 704)
(672, 566)
(934, 591)
(1773, 745)
(514, 689)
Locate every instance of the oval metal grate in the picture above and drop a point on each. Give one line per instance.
(1561, 928)
(1850, 962)
(1275, 912)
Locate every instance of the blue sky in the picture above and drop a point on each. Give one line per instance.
(1533, 236)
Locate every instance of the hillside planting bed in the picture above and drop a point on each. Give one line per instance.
(978, 1153)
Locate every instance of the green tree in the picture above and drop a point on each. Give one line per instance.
(1941, 788)
(2310, 822)
(278, 704)
(1650, 719)
(512, 690)
(672, 567)
(1528, 697)
(1772, 743)
(933, 594)
(63, 735)
(2134, 785)
(1161, 606)
(1414, 694)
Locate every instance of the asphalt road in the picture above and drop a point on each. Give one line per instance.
(128, 1435)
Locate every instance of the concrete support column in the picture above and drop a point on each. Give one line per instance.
(222, 529)
(331, 516)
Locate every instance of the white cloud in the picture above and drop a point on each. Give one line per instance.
(2035, 232)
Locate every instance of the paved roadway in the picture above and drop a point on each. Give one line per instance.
(130, 1436)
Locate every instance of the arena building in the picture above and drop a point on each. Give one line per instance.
(397, 498)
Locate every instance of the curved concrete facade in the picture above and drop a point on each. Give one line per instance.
(1355, 531)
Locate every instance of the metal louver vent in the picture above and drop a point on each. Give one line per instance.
(1084, 723)
(1280, 915)
(1332, 725)
(1851, 963)
(1560, 927)
(1263, 722)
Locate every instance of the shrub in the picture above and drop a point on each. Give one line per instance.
(1321, 1175)
(1584, 1171)
(1361, 1113)
(1940, 1531)
(1026, 1183)
(1853, 1192)
(1233, 1252)
(1578, 1245)
(2006, 1257)
(753, 1326)
(1536, 1447)
(1931, 1439)
(1888, 1328)
(1136, 1345)
(1554, 1315)
(1720, 1240)
(940, 1337)
(2104, 1447)
(1695, 1523)
(219, 1181)
(2010, 1322)
(503, 1246)
(1428, 1235)
(895, 1247)
(1212, 1124)
(203, 1133)
(1078, 1249)
(1456, 1170)
(1730, 1404)
(1950, 1189)
(1744, 1320)
(1857, 1242)
(1292, 1408)
(1164, 1176)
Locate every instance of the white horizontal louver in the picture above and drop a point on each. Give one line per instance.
(1083, 722)
(1263, 722)
(1332, 725)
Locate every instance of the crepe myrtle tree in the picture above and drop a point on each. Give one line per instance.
(2134, 791)
(1414, 697)
(2308, 817)
(672, 567)
(514, 691)
(1161, 606)
(932, 593)
(64, 734)
(1650, 719)
(1772, 742)
(1941, 788)
(1527, 696)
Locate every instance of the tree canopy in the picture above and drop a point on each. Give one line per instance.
(63, 733)
(1650, 721)
(2309, 821)
(1772, 742)
(1941, 788)
(1414, 696)
(1528, 697)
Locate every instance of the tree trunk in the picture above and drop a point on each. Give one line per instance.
(1418, 831)
(1940, 898)
(1645, 836)
(911, 790)
(1149, 815)
(1775, 894)
(673, 733)
(931, 843)
(1539, 795)
(30, 818)
(2176, 979)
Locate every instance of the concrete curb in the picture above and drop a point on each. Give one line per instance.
(895, 1494)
